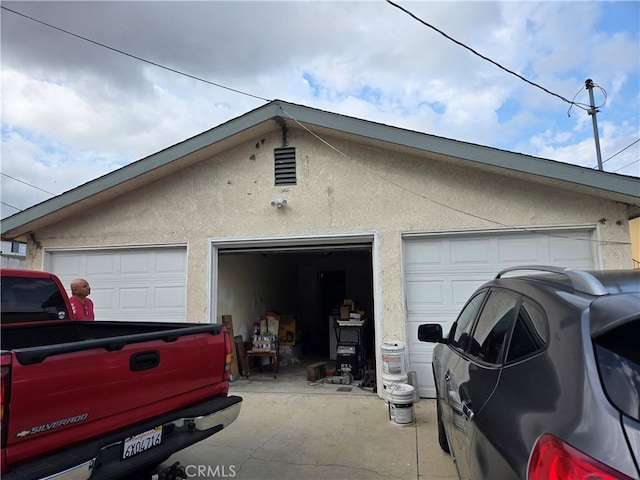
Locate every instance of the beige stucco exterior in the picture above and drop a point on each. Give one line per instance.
(343, 188)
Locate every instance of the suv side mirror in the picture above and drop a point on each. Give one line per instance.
(430, 332)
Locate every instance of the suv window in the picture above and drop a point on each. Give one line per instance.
(26, 299)
(529, 333)
(460, 333)
(618, 358)
(493, 327)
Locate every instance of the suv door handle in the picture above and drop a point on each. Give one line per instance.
(467, 412)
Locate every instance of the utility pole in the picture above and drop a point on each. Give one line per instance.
(592, 111)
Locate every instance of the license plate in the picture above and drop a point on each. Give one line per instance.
(142, 442)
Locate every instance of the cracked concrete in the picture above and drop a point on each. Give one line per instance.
(291, 430)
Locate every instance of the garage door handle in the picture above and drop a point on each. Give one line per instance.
(144, 360)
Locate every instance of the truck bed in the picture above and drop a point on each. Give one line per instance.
(99, 400)
(74, 381)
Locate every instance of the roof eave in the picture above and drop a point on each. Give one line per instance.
(612, 186)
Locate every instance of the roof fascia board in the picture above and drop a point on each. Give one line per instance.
(489, 156)
(305, 115)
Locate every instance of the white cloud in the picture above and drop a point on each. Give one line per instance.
(73, 106)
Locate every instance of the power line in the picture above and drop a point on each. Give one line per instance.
(413, 192)
(625, 148)
(11, 206)
(28, 184)
(134, 56)
(579, 105)
(628, 165)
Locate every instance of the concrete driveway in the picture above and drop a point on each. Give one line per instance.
(318, 432)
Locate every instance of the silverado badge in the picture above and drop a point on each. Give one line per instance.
(50, 426)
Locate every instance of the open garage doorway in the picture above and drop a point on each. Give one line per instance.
(306, 283)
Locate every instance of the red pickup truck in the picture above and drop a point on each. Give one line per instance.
(100, 400)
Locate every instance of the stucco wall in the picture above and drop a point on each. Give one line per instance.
(250, 285)
(355, 189)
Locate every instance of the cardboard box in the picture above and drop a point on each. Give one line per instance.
(345, 311)
(288, 330)
(264, 342)
(316, 371)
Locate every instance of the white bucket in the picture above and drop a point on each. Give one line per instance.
(393, 364)
(388, 384)
(401, 409)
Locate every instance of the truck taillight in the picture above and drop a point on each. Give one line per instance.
(553, 459)
(227, 354)
(4, 402)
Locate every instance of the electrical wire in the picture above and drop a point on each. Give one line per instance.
(628, 165)
(28, 184)
(572, 102)
(444, 205)
(312, 133)
(11, 206)
(415, 17)
(135, 56)
(616, 154)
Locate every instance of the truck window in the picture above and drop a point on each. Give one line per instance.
(27, 299)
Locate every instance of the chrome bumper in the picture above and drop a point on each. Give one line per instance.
(224, 417)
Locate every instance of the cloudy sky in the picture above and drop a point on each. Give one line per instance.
(73, 110)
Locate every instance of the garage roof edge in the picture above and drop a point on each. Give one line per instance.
(19, 224)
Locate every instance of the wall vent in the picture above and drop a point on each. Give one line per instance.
(285, 166)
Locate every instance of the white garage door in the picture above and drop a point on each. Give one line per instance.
(141, 284)
(442, 272)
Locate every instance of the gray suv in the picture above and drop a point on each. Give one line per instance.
(539, 377)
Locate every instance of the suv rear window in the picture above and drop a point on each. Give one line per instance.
(28, 299)
(618, 358)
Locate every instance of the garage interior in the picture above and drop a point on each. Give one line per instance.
(306, 285)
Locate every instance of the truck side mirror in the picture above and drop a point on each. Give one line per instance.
(430, 332)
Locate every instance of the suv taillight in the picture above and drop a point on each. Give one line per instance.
(4, 402)
(553, 459)
(227, 354)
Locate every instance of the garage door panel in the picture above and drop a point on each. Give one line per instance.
(470, 252)
(169, 297)
(136, 264)
(519, 251)
(98, 265)
(441, 273)
(68, 268)
(145, 284)
(132, 298)
(103, 297)
(565, 250)
(433, 293)
(170, 264)
(424, 254)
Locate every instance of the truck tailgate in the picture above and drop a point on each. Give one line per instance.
(80, 394)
